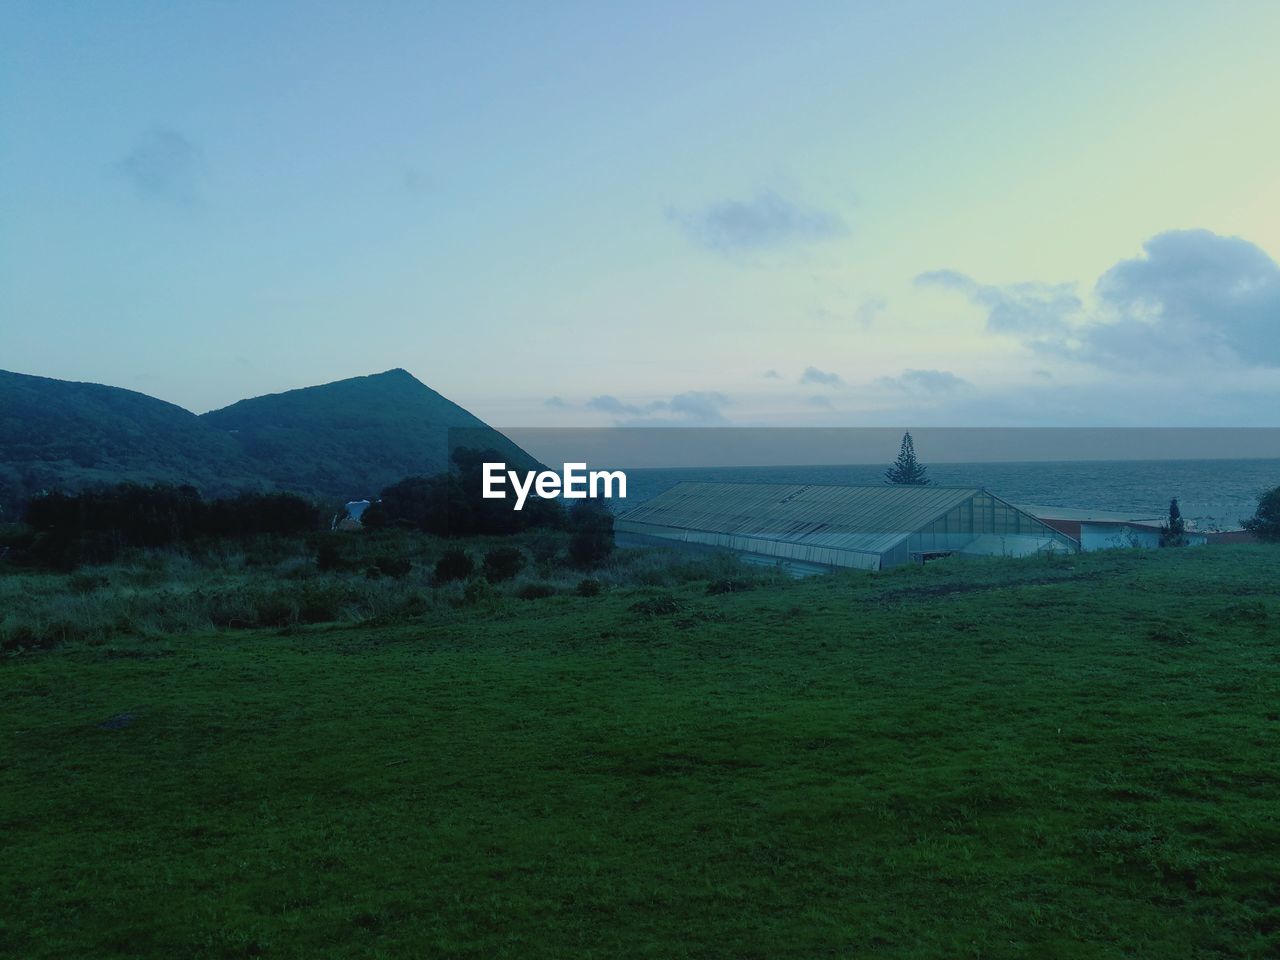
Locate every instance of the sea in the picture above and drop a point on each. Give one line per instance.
(1212, 494)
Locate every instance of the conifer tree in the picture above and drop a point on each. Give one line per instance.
(1174, 531)
(907, 469)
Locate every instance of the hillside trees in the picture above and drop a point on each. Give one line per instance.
(96, 525)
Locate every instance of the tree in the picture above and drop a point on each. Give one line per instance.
(1173, 533)
(502, 563)
(1265, 522)
(907, 469)
(454, 565)
(592, 540)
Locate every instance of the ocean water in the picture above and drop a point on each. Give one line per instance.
(1213, 494)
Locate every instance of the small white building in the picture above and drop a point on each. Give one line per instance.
(1107, 530)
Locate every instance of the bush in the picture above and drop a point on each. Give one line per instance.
(545, 547)
(589, 587)
(84, 583)
(395, 567)
(321, 603)
(329, 557)
(479, 592)
(659, 606)
(729, 585)
(592, 539)
(454, 565)
(536, 591)
(1265, 523)
(502, 563)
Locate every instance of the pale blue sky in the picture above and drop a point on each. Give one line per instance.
(814, 213)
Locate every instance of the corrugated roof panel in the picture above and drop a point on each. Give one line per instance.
(798, 511)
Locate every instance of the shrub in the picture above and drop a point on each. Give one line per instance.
(660, 606)
(395, 567)
(729, 585)
(536, 591)
(592, 539)
(83, 583)
(502, 563)
(454, 564)
(479, 592)
(545, 547)
(589, 587)
(320, 603)
(328, 557)
(1265, 522)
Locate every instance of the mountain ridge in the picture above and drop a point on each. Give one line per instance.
(344, 439)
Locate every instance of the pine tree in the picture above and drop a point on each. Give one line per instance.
(907, 469)
(1174, 531)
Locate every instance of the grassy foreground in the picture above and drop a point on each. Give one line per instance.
(1057, 758)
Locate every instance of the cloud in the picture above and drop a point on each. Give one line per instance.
(691, 408)
(700, 405)
(556, 402)
(814, 375)
(925, 381)
(1025, 309)
(607, 403)
(818, 400)
(164, 165)
(1193, 294)
(766, 221)
(869, 310)
(1192, 300)
(771, 375)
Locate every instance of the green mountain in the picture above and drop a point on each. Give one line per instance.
(354, 437)
(57, 434)
(341, 440)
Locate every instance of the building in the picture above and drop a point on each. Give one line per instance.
(815, 527)
(349, 519)
(1105, 530)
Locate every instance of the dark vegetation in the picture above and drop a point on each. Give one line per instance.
(451, 504)
(56, 435)
(502, 563)
(65, 531)
(1173, 532)
(1265, 522)
(1052, 757)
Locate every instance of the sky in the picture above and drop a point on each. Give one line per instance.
(595, 214)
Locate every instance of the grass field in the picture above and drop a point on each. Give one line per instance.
(1043, 758)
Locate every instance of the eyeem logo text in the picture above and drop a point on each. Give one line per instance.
(575, 483)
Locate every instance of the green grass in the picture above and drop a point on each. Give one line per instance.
(1070, 758)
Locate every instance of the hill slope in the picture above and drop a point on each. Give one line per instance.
(340, 440)
(353, 437)
(66, 435)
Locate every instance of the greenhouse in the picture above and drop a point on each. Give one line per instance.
(814, 527)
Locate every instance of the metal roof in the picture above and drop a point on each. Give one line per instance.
(861, 519)
(1098, 516)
